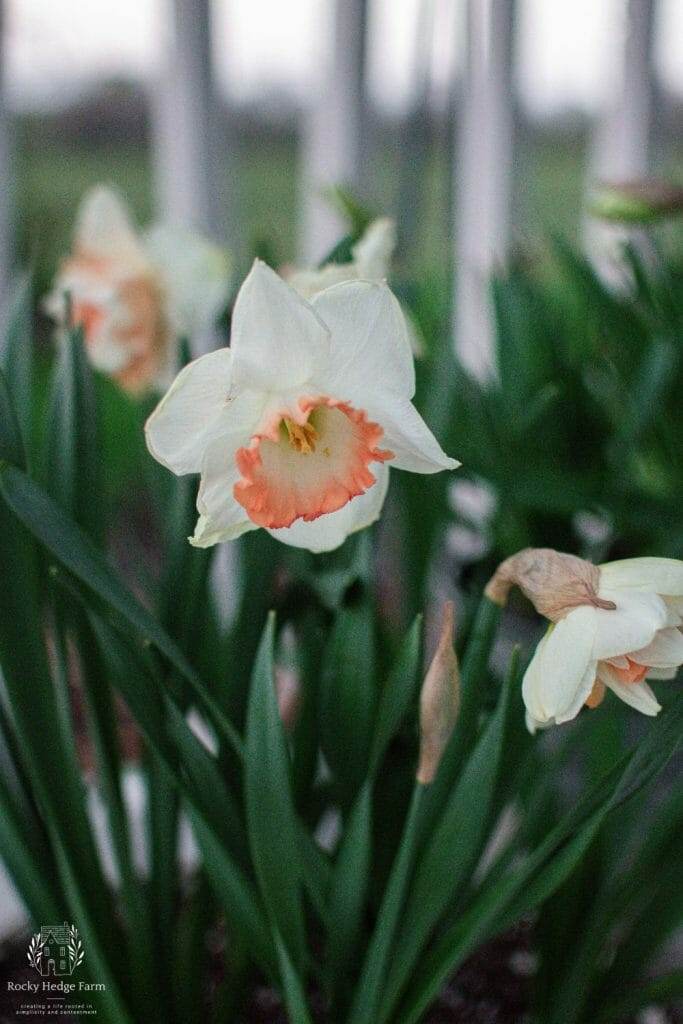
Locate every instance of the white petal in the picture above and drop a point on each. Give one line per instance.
(662, 673)
(638, 616)
(196, 409)
(563, 669)
(195, 274)
(637, 695)
(373, 251)
(660, 575)
(407, 435)
(221, 517)
(665, 651)
(307, 282)
(531, 687)
(209, 531)
(104, 229)
(370, 347)
(278, 342)
(328, 532)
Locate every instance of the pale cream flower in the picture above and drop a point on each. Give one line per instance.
(293, 427)
(135, 294)
(371, 261)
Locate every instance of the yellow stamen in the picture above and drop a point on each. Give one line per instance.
(302, 438)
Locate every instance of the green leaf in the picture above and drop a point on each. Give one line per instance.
(348, 892)
(547, 867)
(347, 699)
(72, 462)
(452, 850)
(367, 995)
(295, 997)
(398, 693)
(11, 445)
(272, 825)
(17, 354)
(212, 816)
(77, 553)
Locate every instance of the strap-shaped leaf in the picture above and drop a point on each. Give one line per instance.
(11, 445)
(348, 893)
(397, 694)
(453, 849)
(547, 867)
(272, 826)
(74, 550)
(72, 457)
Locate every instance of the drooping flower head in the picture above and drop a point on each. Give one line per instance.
(136, 294)
(613, 627)
(294, 427)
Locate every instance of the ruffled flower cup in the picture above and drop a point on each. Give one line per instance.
(613, 627)
(136, 294)
(294, 427)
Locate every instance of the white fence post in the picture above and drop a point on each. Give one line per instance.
(333, 136)
(622, 142)
(482, 177)
(185, 137)
(6, 183)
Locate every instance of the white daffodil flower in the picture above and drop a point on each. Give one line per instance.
(136, 294)
(592, 649)
(294, 427)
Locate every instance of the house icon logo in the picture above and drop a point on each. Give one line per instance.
(56, 950)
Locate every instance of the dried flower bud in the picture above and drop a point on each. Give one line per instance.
(439, 700)
(554, 582)
(288, 692)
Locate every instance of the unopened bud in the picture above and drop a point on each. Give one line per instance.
(288, 693)
(636, 202)
(439, 700)
(554, 582)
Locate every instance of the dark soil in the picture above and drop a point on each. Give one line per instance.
(492, 987)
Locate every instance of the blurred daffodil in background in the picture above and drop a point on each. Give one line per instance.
(137, 293)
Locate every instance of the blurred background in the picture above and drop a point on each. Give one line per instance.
(235, 115)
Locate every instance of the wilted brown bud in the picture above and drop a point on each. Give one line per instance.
(439, 700)
(288, 692)
(554, 582)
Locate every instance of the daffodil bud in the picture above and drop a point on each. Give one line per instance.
(439, 700)
(636, 202)
(554, 582)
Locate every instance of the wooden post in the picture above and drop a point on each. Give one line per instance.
(6, 183)
(186, 146)
(622, 142)
(483, 178)
(333, 136)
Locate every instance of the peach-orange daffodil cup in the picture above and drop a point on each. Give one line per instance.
(137, 293)
(294, 427)
(614, 626)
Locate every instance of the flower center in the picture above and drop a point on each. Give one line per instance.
(302, 437)
(302, 470)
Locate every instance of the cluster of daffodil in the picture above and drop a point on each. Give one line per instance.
(294, 428)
